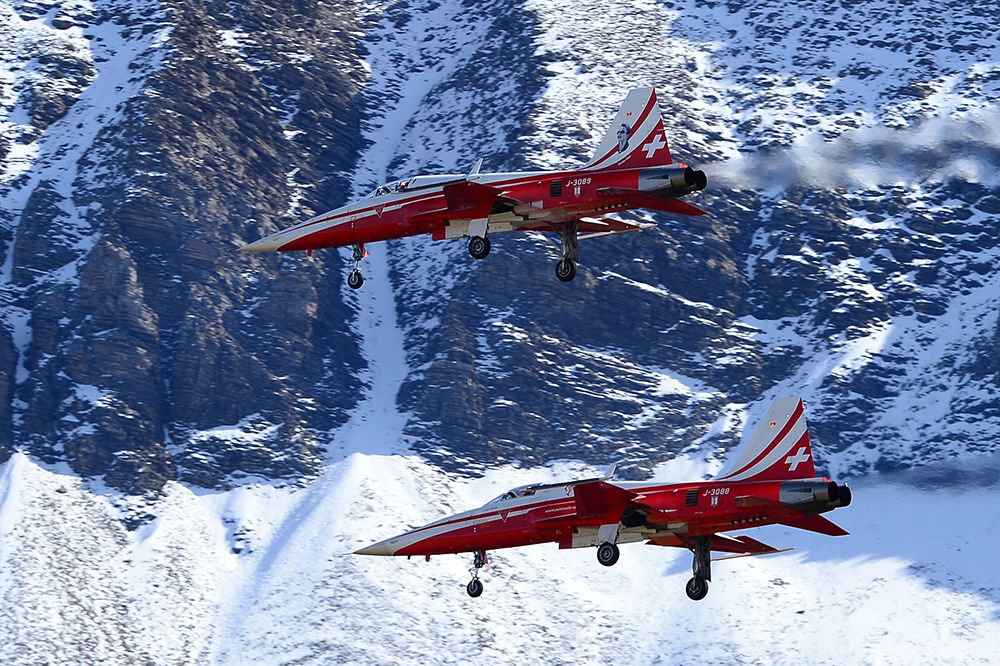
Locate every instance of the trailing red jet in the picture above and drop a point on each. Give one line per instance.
(772, 481)
(632, 168)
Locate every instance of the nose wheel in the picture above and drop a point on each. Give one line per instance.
(566, 270)
(355, 279)
(475, 586)
(697, 588)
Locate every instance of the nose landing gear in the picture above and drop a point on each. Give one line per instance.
(355, 279)
(475, 586)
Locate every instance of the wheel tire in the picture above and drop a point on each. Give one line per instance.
(607, 554)
(696, 588)
(566, 270)
(479, 247)
(355, 279)
(474, 588)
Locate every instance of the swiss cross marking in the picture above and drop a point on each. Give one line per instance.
(654, 146)
(800, 457)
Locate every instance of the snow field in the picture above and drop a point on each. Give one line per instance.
(912, 584)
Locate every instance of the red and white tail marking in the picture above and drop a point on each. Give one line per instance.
(779, 448)
(636, 137)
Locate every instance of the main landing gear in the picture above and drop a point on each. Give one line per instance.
(355, 279)
(475, 586)
(697, 587)
(566, 267)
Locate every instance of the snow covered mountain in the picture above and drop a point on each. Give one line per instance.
(194, 438)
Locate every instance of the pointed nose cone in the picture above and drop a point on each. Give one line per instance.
(386, 547)
(269, 244)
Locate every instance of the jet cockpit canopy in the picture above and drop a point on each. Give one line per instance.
(389, 188)
(417, 182)
(514, 493)
(532, 488)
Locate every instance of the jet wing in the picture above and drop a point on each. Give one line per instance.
(471, 200)
(600, 498)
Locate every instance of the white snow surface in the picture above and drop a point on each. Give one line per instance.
(912, 584)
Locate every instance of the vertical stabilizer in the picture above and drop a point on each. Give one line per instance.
(636, 138)
(779, 449)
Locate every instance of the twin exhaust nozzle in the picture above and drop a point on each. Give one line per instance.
(825, 492)
(681, 179)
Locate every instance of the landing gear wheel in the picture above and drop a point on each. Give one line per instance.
(479, 247)
(474, 588)
(697, 588)
(566, 270)
(607, 554)
(355, 279)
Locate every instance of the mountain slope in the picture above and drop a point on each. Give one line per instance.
(196, 437)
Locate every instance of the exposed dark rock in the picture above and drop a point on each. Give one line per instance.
(158, 352)
(8, 370)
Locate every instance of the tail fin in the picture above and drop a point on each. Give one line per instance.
(636, 137)
(779, 449)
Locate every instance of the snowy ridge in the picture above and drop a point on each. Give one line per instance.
(294, 595)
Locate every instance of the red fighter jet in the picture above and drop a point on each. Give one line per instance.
(773, 481)
(632, 168)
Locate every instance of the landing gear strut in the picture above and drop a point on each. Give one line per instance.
(697, 587)
(475, 586)
(566, 268)
(355, 279)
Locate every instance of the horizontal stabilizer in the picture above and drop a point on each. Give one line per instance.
(816, 524)
(680, 207)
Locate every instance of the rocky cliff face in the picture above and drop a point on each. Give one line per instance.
(145, 341)
(837, 264)
(146, 141)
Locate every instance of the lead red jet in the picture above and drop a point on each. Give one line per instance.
(772, 481)
(632, 168)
